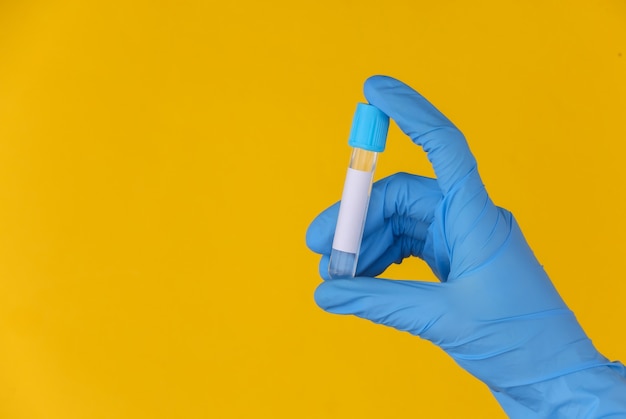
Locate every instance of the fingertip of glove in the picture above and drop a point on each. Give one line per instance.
(311, 238)
(379, 80)
(374, 84)
(318, 239)
(335, 295)
(321, 296)
(320, 233)
(323, 267)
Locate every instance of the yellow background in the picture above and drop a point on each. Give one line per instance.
(161, 160)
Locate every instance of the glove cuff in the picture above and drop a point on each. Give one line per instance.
(594, 392)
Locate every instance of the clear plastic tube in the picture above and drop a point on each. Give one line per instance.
(352, 214)
(368, 137)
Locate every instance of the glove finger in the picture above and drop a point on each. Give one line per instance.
(473, 227)
(319, 234)
(400, 205)
(375, 267)
(323, 267)
(372, 268)
(426, 126)
(410, 306)
(375, 254)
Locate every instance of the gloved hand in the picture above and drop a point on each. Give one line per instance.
(495, 310)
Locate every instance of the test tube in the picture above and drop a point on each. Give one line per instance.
(367, 138)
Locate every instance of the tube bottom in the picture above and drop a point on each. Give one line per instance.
(342, 264)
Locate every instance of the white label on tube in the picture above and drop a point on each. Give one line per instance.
(352, 211)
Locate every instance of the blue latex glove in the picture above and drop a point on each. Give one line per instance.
(495, 311)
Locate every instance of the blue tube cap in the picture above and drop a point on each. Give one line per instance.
(369, 128)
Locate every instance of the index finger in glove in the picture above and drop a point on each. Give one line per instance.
(426, 126)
